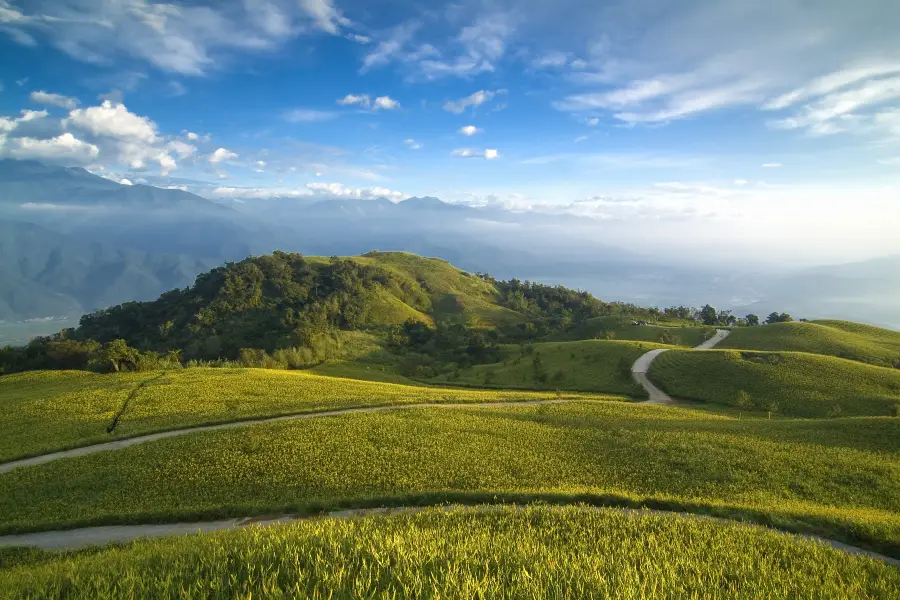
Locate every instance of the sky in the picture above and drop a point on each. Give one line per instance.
(745, 128)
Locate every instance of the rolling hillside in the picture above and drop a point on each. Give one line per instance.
(797, 384)
(843, 339)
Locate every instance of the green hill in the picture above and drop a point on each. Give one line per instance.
(547, 552)
(588, 366)
(843, 339)
(800, 384)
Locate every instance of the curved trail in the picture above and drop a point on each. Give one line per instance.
(150, 437)
(119, 534)
(642, 366)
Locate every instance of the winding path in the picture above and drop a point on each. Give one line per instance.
(642, 366)
(141, 439)
(118, 534)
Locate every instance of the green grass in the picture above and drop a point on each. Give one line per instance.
(588, 366)
(802, 385)
(620, 328)
(538, 552)
(43, 411)
(458, 296)
(836, 338)
(837, 477)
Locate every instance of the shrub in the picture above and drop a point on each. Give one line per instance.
(743, 400)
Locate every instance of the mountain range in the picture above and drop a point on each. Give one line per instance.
(73, 242)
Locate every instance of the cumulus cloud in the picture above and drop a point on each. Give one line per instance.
(475, 100)
(7, 125)
(64, 147)
(124, 181)
(469, 130)
(385, 103)
(362, 100)
(182, 149)
(48, 99)
(113, 120)
(488, 154)
(221, 155)
(339, 190)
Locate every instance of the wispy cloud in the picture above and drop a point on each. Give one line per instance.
(474, 100)
(308, 115)
(488, 154)
(48, 99)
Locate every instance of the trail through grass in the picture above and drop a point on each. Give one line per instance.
(46, 411)
(840, 478)
(538, 552)
(797, 384)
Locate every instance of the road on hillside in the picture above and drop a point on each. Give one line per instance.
(641, 368)
(141, 439)
(71, 539)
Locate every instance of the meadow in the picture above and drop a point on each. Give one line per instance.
(587, 366)
(572, 552)
(797, 384)
(843, 339)
(840, 477)
(55, 410)
(674, 332)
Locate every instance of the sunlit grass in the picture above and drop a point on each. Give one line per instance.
(538, 552)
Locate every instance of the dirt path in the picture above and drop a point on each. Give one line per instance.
(118, 534)
(142, 439)
(642, 366)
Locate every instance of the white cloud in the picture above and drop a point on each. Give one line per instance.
(359, 39)
(392, 47)
(308, 115)
(7, 125)
(412, 144)
(830, 83)
(488, 154)
(580, 138)
(842, 108)
(740, 182)
(890, 161)
(42, 97)
(221, 155)
(191, 136)
(260, 166)
(593, 122)
(469, 130)
(551, 60)
(325, 15)
(362, 100)
(385, 103)
(124, 181)
(63, 147)
(258, 193)
(182, 149)
(187, 38)
(339, 190)
(113, 120)
(771, 165)
(475, 100)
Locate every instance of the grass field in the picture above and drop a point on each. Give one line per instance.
(802, 385)
(620, 328)
(588, 366)
(839, 477)
(43, 411)
(572, 552)
(836, 338)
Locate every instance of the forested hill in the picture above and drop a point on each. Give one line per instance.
(285, 300)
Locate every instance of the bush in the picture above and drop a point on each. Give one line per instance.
(743, 401)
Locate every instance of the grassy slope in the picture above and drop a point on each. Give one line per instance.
(620, 328)
(591, 365)
(545, 553)
(836, 338)
(841, 477)
(457, 295)
(52, 410)
(803, 385)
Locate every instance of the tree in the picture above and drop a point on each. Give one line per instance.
(116, 355)
(709, 316)
(743, 400)
(779, 318)
(771, 407)
(752, 320)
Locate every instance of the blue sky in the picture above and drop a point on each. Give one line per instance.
(768, 124)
